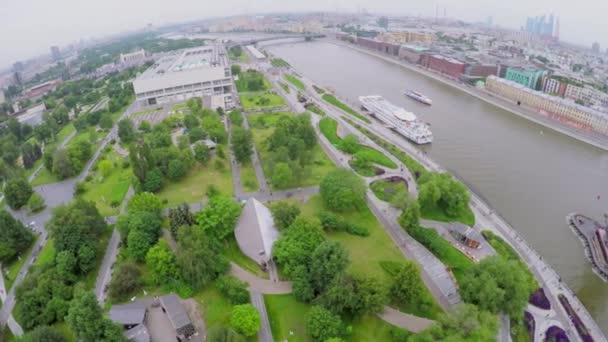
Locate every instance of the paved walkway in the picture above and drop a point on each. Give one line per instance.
(397, 318)
(257, 284)
(265, 332)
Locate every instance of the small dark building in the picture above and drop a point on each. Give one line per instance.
(178, 316)
(128, 315)
(466, 235)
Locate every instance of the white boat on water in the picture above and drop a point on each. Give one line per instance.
(398, 119)
(418, 97)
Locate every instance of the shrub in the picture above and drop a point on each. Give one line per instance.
(332, 222)
(35, 203)
(245, 319)
(79, 188)
(234, 289)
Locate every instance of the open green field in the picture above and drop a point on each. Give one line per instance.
(320, 166)
(453, 258)
(108, 192)
(329, 128)
(287, 319)
(295, 81)
(15, 266)
(194, 186)
(279, 63)
(243, 83)
(366, 253)
(248, 177)
(465, 216)
(232, 251)
(261, 100)
(385, 190)
(340, 105)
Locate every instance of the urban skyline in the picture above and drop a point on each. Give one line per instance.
(92, 20)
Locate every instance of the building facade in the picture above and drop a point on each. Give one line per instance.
(445, 65)
(554, 87)
(197, 72)
(526, 77)
(133, 56)
(474, 71)
(412, 53)
(406, 37)
(553, 107)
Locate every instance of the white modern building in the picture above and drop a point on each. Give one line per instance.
(198, 72)
(133, 56)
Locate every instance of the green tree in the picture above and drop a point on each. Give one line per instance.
(162, 262)
(195, 134)
(198, 258)
(180, 216)
(126, 131)
(465, 323)
(212, 124)
(36, 203)
(328, 261)
(145, 201)
(154, 181)
(66, 265)
(281, 175)
(105, 121)
(323, 325)
(201, 153)
(284, 213)
(235, 290)
(354, 296)
(62, 165)
(242, 144)
(406, 285)
(342, 190)
(105, 167)
(125, 282)
(145, 126)
(350, 144)
(410, 217)
(15, 238)
(296, 244)
(235, 69)
(190, 121)
(86, 319)
(245, 319)
(224, 334)
(497, 285)
(17, 192)
(138, 244)
(219, 217)
(177, 170)
(44, 333)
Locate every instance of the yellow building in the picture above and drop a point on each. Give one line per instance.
(554, 107)
(406, 37)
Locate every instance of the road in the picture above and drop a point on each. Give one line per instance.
(54, 194)
(107, 265)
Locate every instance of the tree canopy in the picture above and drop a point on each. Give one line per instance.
(342, 190)
(465, 323)
(15, 238)
(323, 325)
(284, 213)
(245, 319)
(443, 191)
(17, 192)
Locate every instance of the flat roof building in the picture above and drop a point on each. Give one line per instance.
(255, 52)
(196, 72)
(133, 56)
(178, 316)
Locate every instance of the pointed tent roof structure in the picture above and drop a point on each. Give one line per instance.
(255, 231)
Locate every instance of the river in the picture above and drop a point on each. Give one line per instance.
(530, 174)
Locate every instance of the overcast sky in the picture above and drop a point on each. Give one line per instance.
(29, 27)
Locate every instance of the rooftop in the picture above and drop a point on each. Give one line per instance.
(415, 47)
(255, 232)
(186, 60)
(128, 314)
(138, 334)
(175, 310)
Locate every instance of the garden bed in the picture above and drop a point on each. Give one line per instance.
(295, 81)
(530, 325)
(556, 334)
(576, 320)
(386, 189)
(340, 105)
(539, 299)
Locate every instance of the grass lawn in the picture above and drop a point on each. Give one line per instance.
(315, 172)
(244, 78)
(287, 319)
(15, 266)
(319, 90)
(315, 109)
(44, 177)
(180, 106)
(262, 100)
(366, 253)
(339, 104)
(47, 254)
(329, 128)
(233, 253)
(279, 63)
(108, 192)
(285, 87)
(248, 177)
(458, 263)
(386, 190)
(295, 81)
(194, 186)
(465, 216)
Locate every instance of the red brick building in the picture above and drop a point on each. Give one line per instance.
(385, 47)
(445, 65)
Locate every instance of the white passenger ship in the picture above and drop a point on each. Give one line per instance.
(397, 118)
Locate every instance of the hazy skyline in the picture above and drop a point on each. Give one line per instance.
(30, 27)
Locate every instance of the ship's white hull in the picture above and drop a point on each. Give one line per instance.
(424, 100)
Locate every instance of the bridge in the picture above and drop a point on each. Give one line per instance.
(307, 37)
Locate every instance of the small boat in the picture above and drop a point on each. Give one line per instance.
(418, 97)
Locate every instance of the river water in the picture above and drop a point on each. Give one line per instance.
(531, 175)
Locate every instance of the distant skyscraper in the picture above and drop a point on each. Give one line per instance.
(543, 26)
(595, 47)
(55, 54)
